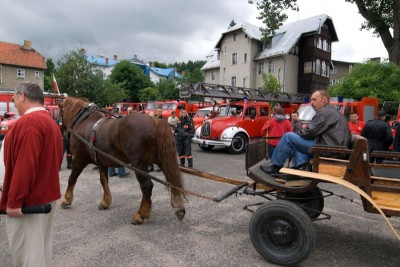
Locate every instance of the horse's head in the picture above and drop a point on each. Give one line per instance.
(70, 108)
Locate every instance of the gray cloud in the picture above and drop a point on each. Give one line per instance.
(162, 30)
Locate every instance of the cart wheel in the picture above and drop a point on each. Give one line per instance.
(208, 148)
(282, 233)
(313, 199)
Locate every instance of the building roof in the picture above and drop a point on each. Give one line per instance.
(17, 55)
(283, 41)
(165, 72)
(101, 61)
(287, 35)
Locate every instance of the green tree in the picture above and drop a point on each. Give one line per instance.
(381, 80)
(48, 76)
(195, 76)
(148, 94)
(383, 17)
(76, 77)
(168, 89)
(130, 77)
(110, 93)
(271, 83)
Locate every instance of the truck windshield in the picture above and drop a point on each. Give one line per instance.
(151, 106)
(172, 106)
(235, 110)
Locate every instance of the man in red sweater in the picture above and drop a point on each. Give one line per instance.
(33, 151)
(274, 129)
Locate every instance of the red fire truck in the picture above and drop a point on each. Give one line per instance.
(168, 106)
(123, 107)
(9, 113)
(246, 113)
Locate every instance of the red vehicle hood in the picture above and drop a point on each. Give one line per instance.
(219, 124)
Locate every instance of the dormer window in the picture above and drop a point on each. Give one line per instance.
(37, 74)
(234, 37)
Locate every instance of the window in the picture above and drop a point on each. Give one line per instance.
(325, 45)
(249, 111)
(271, 66)
(37, 75)
(233, 81)
(20, 73)
(224, 49)
(334, 71)
(234, 58)
(245, 58)
(1, 78)
(234, 37)
(245, 36)
(319, 43)
(318, 67)
(213, 75)
(308, 67)
(324, 70)
(263, 111)
(244, 82)
(260, 68)
(224, 73)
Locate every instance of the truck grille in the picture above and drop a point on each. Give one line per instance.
(205, 129)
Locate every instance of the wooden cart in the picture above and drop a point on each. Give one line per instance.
(281, 230)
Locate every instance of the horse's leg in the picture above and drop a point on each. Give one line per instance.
(177, 203)
(146, 185)
(106, 201)
(77, 169)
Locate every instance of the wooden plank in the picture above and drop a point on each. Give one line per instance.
(335, 159)
(387, 200)
(221, 179)
(332, 179)
(385, 179)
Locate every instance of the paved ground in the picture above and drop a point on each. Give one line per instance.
(212, 234)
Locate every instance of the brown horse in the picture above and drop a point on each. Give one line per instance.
(137, 139)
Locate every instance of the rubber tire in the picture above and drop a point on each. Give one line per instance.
(241, 137)
(281, 246)
(317, 203)
(209, 148)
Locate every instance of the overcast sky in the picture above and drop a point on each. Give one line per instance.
(163, 30)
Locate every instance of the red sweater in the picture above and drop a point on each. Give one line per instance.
(33, 152)
(276, 128)
(356, 128)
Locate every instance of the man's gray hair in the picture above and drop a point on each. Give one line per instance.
(31, 90)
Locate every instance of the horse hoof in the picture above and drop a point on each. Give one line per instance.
(65, 205)
(137, 219)
(102, 207)
(180, 214)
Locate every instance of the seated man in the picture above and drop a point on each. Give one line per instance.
(328, 127)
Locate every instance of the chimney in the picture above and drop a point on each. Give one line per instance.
(106, 60)
(27, 44)
(82, 51)
(151, 64)
(115, 57)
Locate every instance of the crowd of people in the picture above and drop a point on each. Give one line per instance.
(32, 153)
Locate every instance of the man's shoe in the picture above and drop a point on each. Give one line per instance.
(271, 169)
(150, 168)
(112, 175)
(125, 175)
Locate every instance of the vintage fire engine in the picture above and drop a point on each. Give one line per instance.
(246, 113)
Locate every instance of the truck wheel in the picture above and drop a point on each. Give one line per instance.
(282, 233)
(206, 148)
(238, 145)
(313, 199)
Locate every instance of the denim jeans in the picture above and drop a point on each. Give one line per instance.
(111, 171)
(293, 145)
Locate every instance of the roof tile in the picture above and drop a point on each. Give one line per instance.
(17, 55)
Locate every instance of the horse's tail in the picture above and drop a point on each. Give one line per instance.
(166, 155)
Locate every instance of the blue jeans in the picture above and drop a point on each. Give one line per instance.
(111, 171)
(293, 145)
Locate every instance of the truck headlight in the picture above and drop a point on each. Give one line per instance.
(4, 128)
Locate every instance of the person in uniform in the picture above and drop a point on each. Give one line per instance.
(184, 133)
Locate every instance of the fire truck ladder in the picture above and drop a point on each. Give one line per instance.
(230, 92)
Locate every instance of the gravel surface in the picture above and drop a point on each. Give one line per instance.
(211, 234)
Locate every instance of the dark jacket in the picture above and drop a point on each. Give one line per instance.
(328, 127)
(379, 135)
(297, 126)
(184, 128)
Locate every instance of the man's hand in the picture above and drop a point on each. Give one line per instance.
(14, 212)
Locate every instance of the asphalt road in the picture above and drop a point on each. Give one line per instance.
(212, 234)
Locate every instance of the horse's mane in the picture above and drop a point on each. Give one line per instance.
(71, 107)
